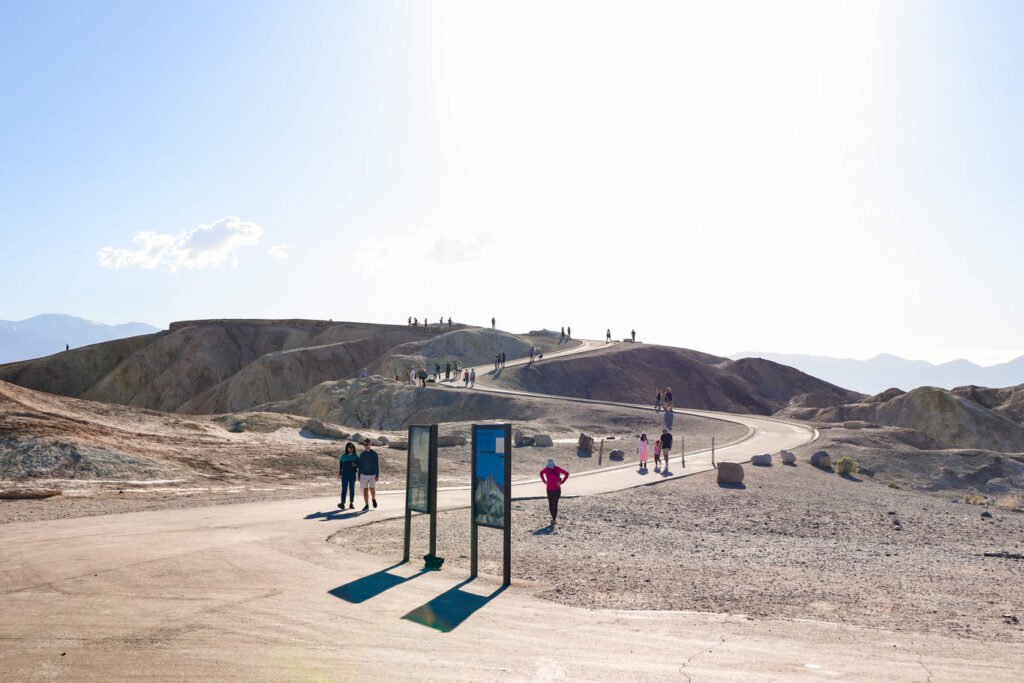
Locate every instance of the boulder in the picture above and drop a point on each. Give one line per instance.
(399, 444)
(543, 441)
(520, 440)
(821, 459)
(237, 427)
(730, 473)
(380, 441)
(329, 431)
(788, 458)
(449, 440)
(763, 460)
(617, 454)
(357, 438)
(586, 443)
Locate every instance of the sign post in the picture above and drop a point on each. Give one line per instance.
(492, 491)
(421, 487)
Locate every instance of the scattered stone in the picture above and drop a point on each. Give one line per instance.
(821, 459)
(28, 494)
(520, 440)
(237, 427)
(449, 440)
(399, 444)
(730, 473)
(1011, 619)
(1006, 555)
(986, 514)
(617, 454)
(380, 441)
(788, 458)
(318, 428)
(763, 460)
(586, 443)
(543, 441)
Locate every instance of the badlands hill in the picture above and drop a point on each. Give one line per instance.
(220, 366)
(632, 373)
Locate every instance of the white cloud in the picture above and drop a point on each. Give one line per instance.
(279, 251)
(457, 250)
(204, 246)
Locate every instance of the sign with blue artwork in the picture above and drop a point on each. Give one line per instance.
(489, 470)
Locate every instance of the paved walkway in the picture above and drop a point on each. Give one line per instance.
(253, 592)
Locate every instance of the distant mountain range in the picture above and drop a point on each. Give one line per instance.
(43, 335)
(884, 371)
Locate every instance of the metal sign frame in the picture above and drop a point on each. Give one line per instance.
(507, 490)
(431, 492)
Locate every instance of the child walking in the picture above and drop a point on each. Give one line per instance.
(657, 455)
(643, 448)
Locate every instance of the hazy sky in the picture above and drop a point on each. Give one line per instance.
(811, 177)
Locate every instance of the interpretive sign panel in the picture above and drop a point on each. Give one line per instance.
(418, 487)
(489, 475)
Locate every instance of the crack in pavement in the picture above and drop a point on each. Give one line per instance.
(920, 660)
(689, 660)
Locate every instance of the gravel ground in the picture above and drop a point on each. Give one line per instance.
(796, 543)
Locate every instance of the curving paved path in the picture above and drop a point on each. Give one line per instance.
(252, 592)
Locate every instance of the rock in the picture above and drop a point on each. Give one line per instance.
(399, 444)
(586, 444)
(379, 441)
(236, 427)
(730, 473)
(821, 459)
(763, 460)
(788, 458)
(520, 440)
(28, 494)
(617, 454)
(449, 440)
(986, 514)
(543, 441)
(357, 438)
(314, 426)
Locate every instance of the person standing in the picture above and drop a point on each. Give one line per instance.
(657, 455)
(492, 322)
(666, 446)
(568, 332)
(437, 371)
(410, 321)
(369, 474)
(348, 467)
(657, 401)
(472, 377)
(608, 336)
(447, 370)
(533, 350)
(643, 449)
(502, 359)
(449, 322)
(465, 378)
(668, 398)
(553, 476)
(561, 337)
(632, 335)
(415, 322)
(423, 377)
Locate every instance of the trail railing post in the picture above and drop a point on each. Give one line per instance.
(600, 453)
(713, 453)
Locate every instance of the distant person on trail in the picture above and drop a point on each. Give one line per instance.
(437, 371)
(423, 377)
(568, 333)
(533, 351)
(472, 377)
(348, 468)
(447, 370)
(643, 448)
(362, 374)
(415, 322)
(465, 378)
(666, 446)
(410, 320)
(553, 476)
(562, 337)
(412, 375)
(449, 322)
(369, 473)
(632, 334)
(67, 347)
(608, 336)
(502, 359)
(668, 398)
(492, 322)
(657, 456)
(657, 401)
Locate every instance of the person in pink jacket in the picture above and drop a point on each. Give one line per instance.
(553, 476)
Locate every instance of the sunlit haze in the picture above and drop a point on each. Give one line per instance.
(806, 177)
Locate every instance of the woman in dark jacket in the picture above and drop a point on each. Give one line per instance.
(348, 467)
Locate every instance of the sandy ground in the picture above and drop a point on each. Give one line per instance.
(796, 543)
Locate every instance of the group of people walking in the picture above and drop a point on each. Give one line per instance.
(415, 322)
(365, 466)
(499, 360)
(662, 451)
(663, 399)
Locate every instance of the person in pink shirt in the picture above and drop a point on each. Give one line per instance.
(644, 449)
(657, 456)
(553, 476)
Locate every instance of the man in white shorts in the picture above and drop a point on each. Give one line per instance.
(369, 473)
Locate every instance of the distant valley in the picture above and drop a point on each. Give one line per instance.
(47, 334)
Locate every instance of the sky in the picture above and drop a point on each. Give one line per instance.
(819, 177)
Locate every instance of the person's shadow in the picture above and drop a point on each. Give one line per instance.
(334, 515)
(545, 530)
(642, 470)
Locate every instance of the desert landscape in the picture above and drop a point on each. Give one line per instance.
(922, 539)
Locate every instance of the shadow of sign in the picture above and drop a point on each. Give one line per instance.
(445, 612)
(372, 585)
